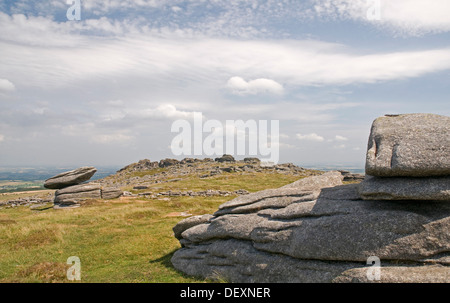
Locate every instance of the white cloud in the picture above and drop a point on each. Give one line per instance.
(166, 111)
(6, 86)
(409, 17)
(340, 138)
(258, 86)
(310, 137)
(2, 138)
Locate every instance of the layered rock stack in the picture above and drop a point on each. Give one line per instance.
(70, 189)
(319, 230)
(408, 158)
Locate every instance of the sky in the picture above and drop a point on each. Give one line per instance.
(106, 89)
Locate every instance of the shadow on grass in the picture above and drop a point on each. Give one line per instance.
(165, 261)
(42, 209)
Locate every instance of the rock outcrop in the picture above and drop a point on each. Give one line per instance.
(408, 158)
(71, 190)
(225, 158)
(316, 231)
(73, 194)
(406, 188)
(111, 193)
(410, 145)
(168, 162)
(69, 178)
(144, 164)
(319, 230)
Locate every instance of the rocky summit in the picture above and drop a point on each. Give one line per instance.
(318, 229)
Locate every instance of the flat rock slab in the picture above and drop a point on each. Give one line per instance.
(69, 178)
(78, 192)
(410, 145)
(111, 193)
(431, 188)
(326, 236)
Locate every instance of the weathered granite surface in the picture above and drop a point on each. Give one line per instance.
(69, 178)
(317, 231)
(409, 145)
(406, 188)
(74, 194)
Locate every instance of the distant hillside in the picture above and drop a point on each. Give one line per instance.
(43, 173)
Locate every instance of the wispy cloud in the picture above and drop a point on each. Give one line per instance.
(404, 17)
(211, 61)
(258, 86)
(340, 138)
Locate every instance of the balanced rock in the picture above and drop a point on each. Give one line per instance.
(410, 145)
(317, 230)
(70, 178)
(76, 193)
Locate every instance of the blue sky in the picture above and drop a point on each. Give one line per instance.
(105, 90)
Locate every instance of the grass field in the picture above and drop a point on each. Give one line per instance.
(123, 240)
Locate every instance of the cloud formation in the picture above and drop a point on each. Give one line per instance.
(166, 111)
(405, 17)
(310, 137)
(6, 86)
(340, 138)
(204, 60)
(258, 86)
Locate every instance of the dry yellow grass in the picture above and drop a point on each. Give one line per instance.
(121, 240)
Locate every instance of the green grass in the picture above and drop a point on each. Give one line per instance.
(121, 240)
(226, 181)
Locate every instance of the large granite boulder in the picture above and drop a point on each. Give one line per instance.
(317, 230)
(77, 193)
(410, 145)
(69, 178)
(408, 158)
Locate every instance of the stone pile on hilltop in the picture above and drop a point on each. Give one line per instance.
(145, 173)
